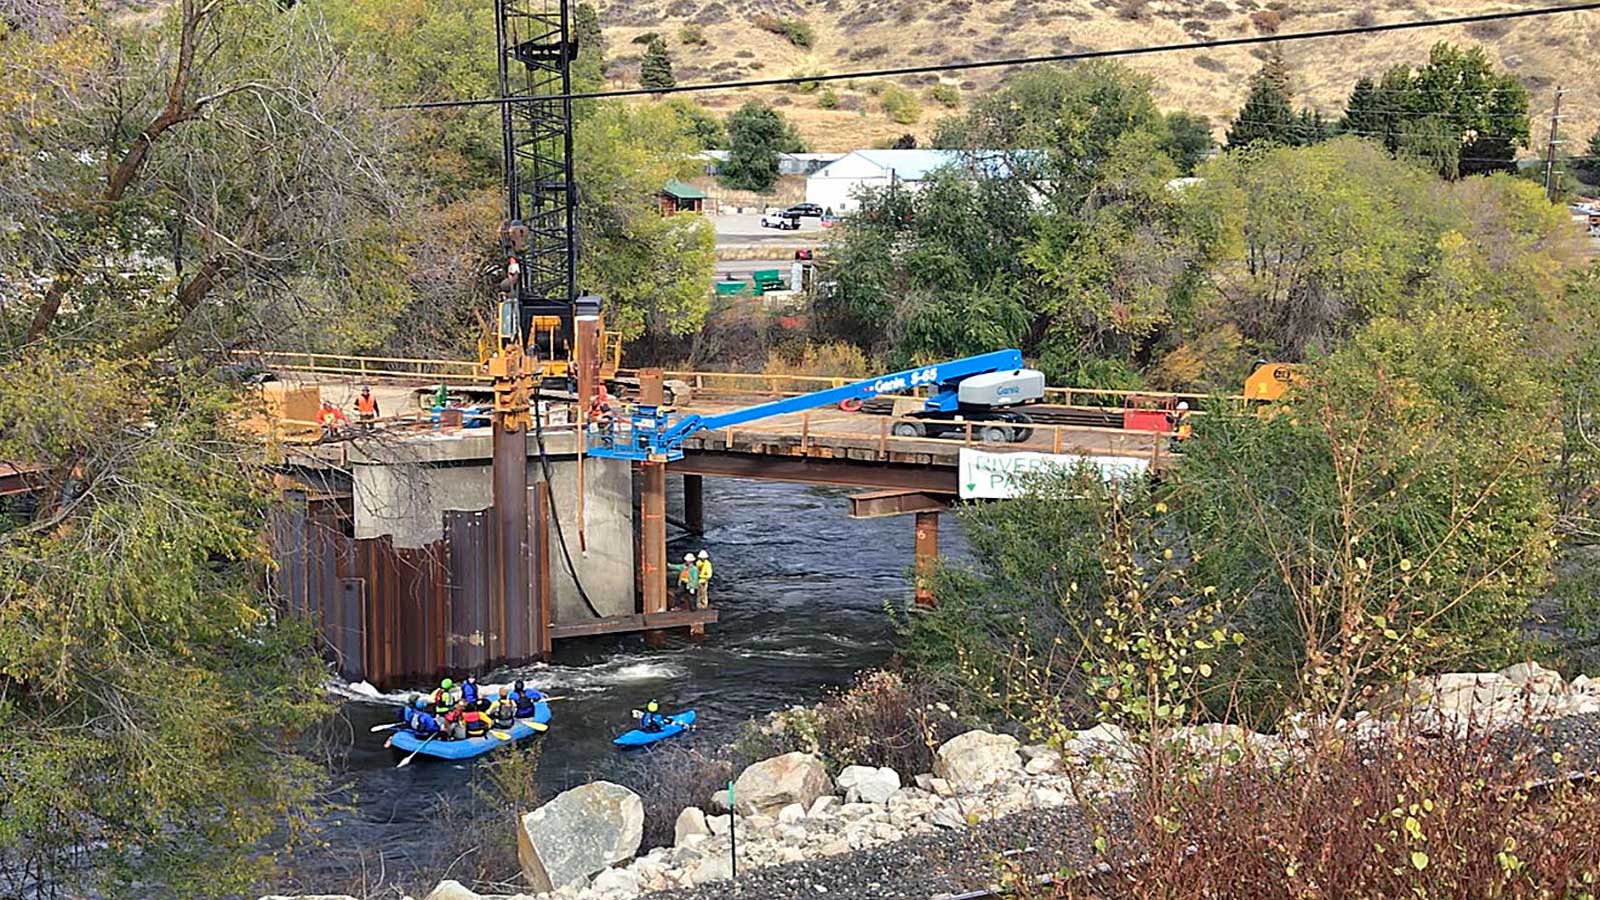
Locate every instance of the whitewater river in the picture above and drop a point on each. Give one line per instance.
(801, 589)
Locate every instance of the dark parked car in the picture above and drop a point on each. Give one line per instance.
(809, 210)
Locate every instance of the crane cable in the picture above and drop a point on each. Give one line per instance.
(550, 495)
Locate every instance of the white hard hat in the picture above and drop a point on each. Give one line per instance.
(688, 557)
(1182, 406)
(704, 555)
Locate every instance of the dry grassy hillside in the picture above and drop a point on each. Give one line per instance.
(865, 34)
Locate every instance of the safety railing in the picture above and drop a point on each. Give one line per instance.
(364, 366)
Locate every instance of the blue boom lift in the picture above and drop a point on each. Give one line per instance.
(979, 388)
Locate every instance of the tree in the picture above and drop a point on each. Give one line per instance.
(931, 274)
(1188, 140)
(655, 71)
(1266, 116)
(699, 123)
(1589, 163)
(198, 183)
(1456, 113)
(756, 135)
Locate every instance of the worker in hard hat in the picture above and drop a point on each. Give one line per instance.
(688, 581)
(366, 408)
(1181, 428)
(702, 571)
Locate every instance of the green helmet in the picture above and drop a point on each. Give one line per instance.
(446, 684)
(653, 707)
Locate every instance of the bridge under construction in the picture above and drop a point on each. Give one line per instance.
(391, 540)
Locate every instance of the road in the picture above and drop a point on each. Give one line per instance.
(746, 229)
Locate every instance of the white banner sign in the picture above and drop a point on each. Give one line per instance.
(998, 476)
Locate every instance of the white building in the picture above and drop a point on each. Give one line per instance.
(838, 185)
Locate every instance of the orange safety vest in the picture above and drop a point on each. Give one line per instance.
(366, 404)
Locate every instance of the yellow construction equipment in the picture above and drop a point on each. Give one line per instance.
(1270, 381)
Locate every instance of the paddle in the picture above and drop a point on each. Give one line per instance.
(407, 761)
(388, 726)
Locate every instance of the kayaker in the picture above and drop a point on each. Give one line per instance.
(525, 698)
(443, 697)
(652, 719)
(470, 694)
(503, 711)
(423, 723)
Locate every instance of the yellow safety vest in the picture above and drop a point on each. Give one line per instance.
(703, 566)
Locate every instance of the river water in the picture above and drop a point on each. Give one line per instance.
(801, 589)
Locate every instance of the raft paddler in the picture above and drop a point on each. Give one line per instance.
(443, 697)
(422, 722)
(525, 698)
(476, 723)
(470, 695)
(503, 710)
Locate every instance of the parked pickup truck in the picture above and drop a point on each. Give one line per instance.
(782, 220)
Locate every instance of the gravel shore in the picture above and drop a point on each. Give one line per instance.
(917, 868)
(1040, 841)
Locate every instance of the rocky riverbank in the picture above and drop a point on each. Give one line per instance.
(874, 833)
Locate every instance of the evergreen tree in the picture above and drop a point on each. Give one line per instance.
(656, 69)
(588, 65)
(1363, 116)
(1589, 163)
(1310, 128)
(1266, 116)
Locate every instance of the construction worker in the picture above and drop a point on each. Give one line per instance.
(601, 414)
(652, 719)
(331, 418)
(366, 408)
(688, 580)
(443, 697)
(1181, 428)
(702, 571)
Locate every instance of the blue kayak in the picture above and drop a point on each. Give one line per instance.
(675, 725)
(467, 748)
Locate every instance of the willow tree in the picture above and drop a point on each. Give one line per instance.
(209, 181)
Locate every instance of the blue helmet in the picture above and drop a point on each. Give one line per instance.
(422, 703)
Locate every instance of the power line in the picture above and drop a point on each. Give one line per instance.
(1076, 56)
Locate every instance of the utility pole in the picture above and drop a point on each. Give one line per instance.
(1551, 183)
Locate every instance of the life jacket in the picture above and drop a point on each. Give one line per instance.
(476, 722)
(329, 416)
(367, 404)
(524, 701)
(1183, 429)
(469, 693)
(422, 723)
(440, 698)
(503, 712)
(703, 568)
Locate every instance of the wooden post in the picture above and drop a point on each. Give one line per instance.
(653, 543)
(927, 551)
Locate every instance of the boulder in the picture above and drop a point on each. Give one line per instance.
(690, 822)
(619, 882)
(1046, 798)
(823, 805)
(772, 784)
(1533, 677)
(792, 813)
(719, 824)
(865, 784)
(581, 832)
(975, 759)
(719, 802)
(452, 890)
(712, 868)
(1044, 761)
(308, 896)
(948, 816)
(924, 781)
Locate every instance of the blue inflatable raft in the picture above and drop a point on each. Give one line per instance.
(406, 742)
(675, 725)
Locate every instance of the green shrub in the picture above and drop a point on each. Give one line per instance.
(692, 35)
(828, 100)
(947, 94)
(796, 31)
(900, 105)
